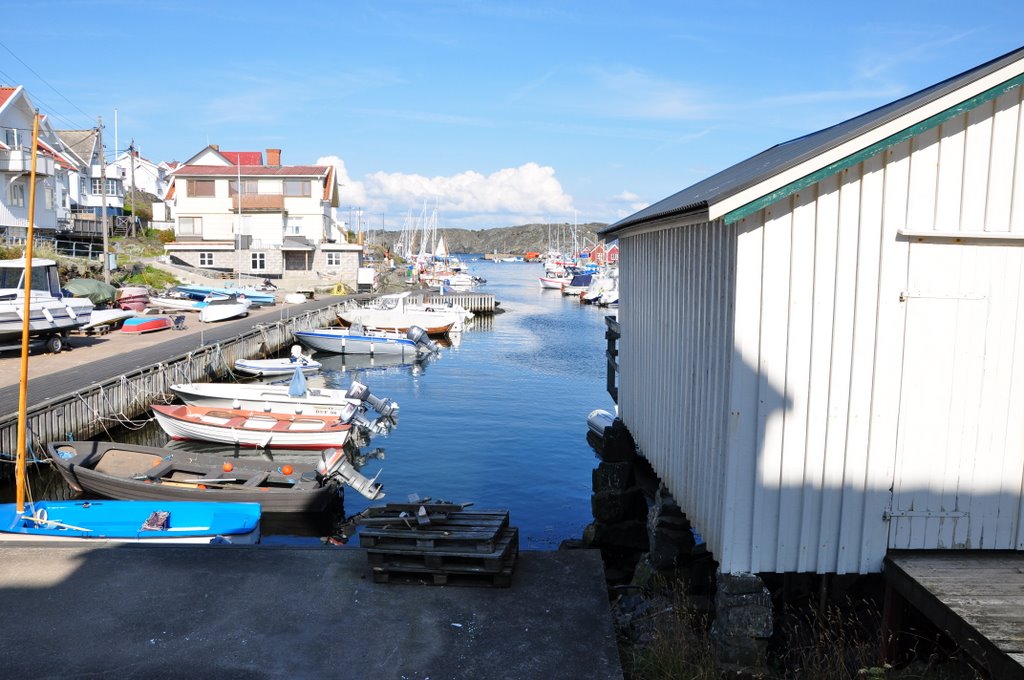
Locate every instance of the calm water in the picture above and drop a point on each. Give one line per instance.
(497, 420)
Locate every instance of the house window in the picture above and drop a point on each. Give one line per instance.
(293, 226)
(205, 259)
(48, 197)
(17, 195)
(113, 187)
(258, 260)
(11, 138)
(200, 188)
(296, 187)
(333, 259)
(190, 226)
(249, 187)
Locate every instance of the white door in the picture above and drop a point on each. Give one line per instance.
(940, 458)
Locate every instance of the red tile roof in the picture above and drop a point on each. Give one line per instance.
(5, 94)
(243, 157)
(253, 170)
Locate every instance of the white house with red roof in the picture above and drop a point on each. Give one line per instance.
(54, 164)
(139, 173)
(238, 212)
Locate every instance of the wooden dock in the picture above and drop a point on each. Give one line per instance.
(975, 597)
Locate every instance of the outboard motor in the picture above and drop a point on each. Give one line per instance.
(422, 340)
(385, 407)
(334, 463)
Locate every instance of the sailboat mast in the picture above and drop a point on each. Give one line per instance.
(19, 469)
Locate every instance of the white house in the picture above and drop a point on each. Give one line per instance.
(92, 185)
(139, 172)
(822, 347)
(236, 213)
(53, 165)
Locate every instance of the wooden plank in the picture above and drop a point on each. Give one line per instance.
(977, 606)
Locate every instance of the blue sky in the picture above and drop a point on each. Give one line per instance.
(492, 113)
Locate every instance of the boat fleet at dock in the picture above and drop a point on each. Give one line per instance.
(591, 283)
(288, 414)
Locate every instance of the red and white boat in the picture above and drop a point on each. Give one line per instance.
(251, 428)
(554, 281)
(134, 298)
(146, 324)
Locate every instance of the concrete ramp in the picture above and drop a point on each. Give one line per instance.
(293, 612)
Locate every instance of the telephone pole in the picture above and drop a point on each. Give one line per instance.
(103, 200)
(135, 215)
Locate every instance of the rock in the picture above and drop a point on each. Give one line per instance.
(617, 506)
(612, 477)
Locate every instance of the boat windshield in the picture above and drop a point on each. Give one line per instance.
(43, 278)
(10, 277)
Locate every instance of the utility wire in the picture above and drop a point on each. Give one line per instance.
(61, 94)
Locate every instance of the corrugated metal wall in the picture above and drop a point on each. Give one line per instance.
(841, 383)
(675, 354)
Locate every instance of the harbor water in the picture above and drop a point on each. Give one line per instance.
(498, 419)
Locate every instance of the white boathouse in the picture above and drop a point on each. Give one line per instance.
(822, 347)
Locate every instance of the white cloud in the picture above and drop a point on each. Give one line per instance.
(528, 189)
(626, 196)
(350, 192)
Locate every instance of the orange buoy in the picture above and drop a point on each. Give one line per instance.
(228, 466)
(286, 469)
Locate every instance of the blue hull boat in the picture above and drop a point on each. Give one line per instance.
(257, 297)
(135, 521)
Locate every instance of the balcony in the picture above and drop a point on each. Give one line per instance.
(259, 202)
(20, 160)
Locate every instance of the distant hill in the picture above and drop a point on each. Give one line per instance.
(515, 240)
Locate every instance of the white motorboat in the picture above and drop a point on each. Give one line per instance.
(176, 301)
(51, 314)
(347, 405)
(357, 340)
(224, 307)
(251, 428)
(283, 366)
(399, 312)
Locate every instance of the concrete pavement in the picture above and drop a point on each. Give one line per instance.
(285, 612)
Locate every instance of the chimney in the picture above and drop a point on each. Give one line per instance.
(274, 157)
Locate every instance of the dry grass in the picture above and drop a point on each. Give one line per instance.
(667, 639)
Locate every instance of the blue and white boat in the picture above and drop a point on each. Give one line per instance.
(357, 340)
(256, 297)
(132, 521)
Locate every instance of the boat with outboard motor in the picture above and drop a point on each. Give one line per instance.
(297, 398)
(251, 428)
(135, 472)
(355, 339)
(282, 366)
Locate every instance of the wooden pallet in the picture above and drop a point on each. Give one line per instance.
(448, 567)
(440, 543)
(472, 531)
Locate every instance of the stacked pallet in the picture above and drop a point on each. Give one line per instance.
(440, 543)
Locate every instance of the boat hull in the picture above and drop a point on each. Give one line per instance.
(267, 398)
(396, 323)
(189, 521)
(251, 428)
(345, 341)
(131, 472)
(275, 367)
(146, 324)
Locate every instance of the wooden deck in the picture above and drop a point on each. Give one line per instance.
(976, 597)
